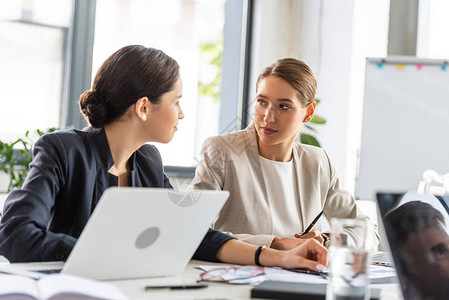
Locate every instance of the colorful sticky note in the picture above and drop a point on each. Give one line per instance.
(419, 67)
(400, 66)
(379, 65)
(443, 67)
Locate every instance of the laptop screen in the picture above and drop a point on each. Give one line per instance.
(417, 228)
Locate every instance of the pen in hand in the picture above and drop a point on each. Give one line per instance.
(312, 224)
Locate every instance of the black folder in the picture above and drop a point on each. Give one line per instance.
(295, 291)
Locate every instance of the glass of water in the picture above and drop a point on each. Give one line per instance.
(348, 262)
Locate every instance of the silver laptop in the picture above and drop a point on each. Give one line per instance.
(143, 232)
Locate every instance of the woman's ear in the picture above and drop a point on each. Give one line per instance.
(142, 108)
(310, 111)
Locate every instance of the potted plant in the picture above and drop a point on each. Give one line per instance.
(15, 158)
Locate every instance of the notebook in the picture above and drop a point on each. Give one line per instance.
(416, 228)
(296, 291)
(143, 232)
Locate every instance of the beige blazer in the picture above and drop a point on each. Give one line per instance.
(231, 162)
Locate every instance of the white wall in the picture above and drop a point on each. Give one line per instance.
(333, 38)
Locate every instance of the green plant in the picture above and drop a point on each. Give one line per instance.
(15, 158)
(308, 138)
(212, 52)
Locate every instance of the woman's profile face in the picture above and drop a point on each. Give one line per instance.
(278, 112)
(164, 116)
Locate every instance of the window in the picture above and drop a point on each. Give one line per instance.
(433, 28)
(33, 39)
(191, 31)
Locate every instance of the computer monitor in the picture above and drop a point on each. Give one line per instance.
(416, 227)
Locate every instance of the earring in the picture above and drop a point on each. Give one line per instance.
(144, 117)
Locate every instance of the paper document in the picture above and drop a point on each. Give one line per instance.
(53, 287)
(277, 274)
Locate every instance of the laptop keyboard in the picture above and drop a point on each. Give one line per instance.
(382, 258)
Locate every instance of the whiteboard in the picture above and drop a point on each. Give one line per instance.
(405, 127)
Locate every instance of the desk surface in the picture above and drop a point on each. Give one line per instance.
(135, 289)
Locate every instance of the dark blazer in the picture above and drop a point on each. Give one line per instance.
(68, 174)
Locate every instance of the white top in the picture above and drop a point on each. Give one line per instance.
(279, 181)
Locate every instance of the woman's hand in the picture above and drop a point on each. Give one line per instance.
(313, 234)
(310, 255)
(287, 243)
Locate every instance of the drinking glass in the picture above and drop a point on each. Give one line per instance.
(348, 263)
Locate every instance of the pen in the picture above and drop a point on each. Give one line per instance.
(177, 287)
(312, 224)
(297, 270)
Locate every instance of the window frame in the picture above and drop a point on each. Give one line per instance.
(79, 62)
(238, 16)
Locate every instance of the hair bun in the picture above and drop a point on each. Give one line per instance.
(93, 108)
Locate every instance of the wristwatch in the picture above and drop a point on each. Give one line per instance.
(257, 255)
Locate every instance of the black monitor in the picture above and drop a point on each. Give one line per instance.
(444, 200)
(416, 228)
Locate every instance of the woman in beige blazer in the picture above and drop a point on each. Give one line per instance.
(277, 186)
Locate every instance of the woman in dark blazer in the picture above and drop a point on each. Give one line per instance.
(134, 100)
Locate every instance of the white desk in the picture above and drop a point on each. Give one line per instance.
(135, 288)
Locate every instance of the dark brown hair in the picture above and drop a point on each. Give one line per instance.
(411, 218)
(127, 75)
(296, 73)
